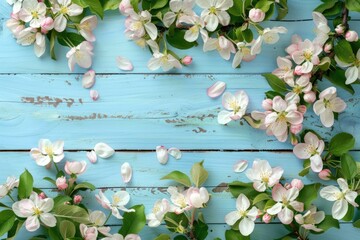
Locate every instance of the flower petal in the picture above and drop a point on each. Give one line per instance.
(124, 64)
(126, 172)
(103, 150)
(339, 209)
(216, 89)
(88, 79)
(162, 154)
(175, 152)
(240, 166)
(246, 226)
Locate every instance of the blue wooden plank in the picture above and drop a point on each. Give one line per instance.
(111, 42)
(139, 112)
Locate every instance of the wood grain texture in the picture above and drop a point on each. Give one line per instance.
(140, 112)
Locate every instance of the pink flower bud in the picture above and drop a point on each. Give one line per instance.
(340, 29)
(295, 129)
(256, 15)
(42, 195)
(267, 104)
(325, 174)
(351, 36)
(61, 183)
(310, 97)
(266, 218)
(77, 199)
(297, 183)
(125, 7)
(287, 185)
(187, 60)
(328, 47)
(302, 109)
(298, 70)
(47, 24)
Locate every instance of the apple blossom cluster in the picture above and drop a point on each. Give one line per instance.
(223, 25)
(268, 199)
(32, 22)
(64, 215)
(181, 214)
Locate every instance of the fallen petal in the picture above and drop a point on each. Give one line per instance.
(94, 95)
(216, 89)
(124, 64)
(88, 79)
(240, 166)
(162, 154)
(126, 172)
(103, 150)
(92, 156)
(175, 152)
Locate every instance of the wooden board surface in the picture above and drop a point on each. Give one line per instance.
(40, 98)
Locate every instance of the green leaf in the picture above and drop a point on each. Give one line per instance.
(353, 5)
(66, 38)
(200, 230)
(163, 237)
(235, 235)
(248, 35)
(282, 9)
(133, 222)
(94, 6)
(338, 78)
(179, 177)
(328, 222)
(264, 5)
(306, 169)
(350, 214)
(39, 237)
(54, 234)
(261, 197)
(325, 6)
(75, 213)
(237, 187)
(7, 220)
(198, 174)
(84, 186)
(272, 94)
(325, 63)
(52, 44)
(25, 185)
(348, 166)
(357, 223)
(176, 39)
(111, 5)
(180, 237)
(308, 194)
(344, 52)
(60, 200)
(15, 229)
(341, 143)
(239, 7)
(154, 4)
(275, 83)
(175, 221)
(67, 229)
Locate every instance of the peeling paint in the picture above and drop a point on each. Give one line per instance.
(199, 130)
(183, 120)
(95, 116)
(51, 101)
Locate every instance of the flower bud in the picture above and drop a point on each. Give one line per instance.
(47, 24)
(77, 199)
(328, 47)
(187, 60)
(295, 129)
(325, 174)
(256, 15)
(76, 168)
(351, 36)
(287, 186)
(61, 183)
(266, 218)
(310, 97)
(340, 29)
(42, 195)
(297, 183)
(267, 104)
(298, 70)
(125, 7)
(302, 109)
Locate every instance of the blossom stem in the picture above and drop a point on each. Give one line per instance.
(57, 168)
(295, 231)
(108, 217)
(11, 197)
(191, 233)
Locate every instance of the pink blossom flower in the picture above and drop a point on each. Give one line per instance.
(138, 25)
(327, 104)
(297, 183)
(256, 15)
(48, 152)
(325, 174)
(284, 70)
(77, 199)
(283, 114)
(15, 25)
(235, 107)
(119, 200)
(197, 197)
(63, 9)
(88, 233)
(224, 46)
(187, 60)
(11, 183)
(310, 218)
(285, 199)
(266, 218)
(47, 24)
(179, 200)
(61, 183)
(161, 207)
(76, 168)
(81, 55)
(351, 36)
(126, 8)
(307, 55)
(86, 27)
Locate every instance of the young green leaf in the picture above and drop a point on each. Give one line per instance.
(200, 230)
(67, 229)
(350, 214)
(176, 39)
(344, 52)
(179, 177)
(338, 78)
(111, 4)
(133, 222)
(198, 174)
(163, 237)
(308, 194)
(328, 222)
(75, 213)
(7, 219)
(25, 185)
(261, 197)
(175, 221)
(353, 5)
(282, 9)
(153, 4)
(341, 143)
(275, 83)
(84, 186)
(237, 187)
(348, 166)
(235, 235)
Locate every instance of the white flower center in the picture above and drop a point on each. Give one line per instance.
(117, 199)
(308, 55)
(37, 211)
(235, 106)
